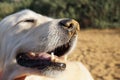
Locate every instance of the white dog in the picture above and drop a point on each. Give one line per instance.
(36, 46)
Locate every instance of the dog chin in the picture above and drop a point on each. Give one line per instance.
(36, 75)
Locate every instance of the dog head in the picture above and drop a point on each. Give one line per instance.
(33, 43)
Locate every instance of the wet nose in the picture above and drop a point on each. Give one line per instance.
(70, 25)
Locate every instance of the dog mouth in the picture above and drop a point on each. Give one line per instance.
(51, 60)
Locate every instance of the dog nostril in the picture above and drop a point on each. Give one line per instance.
(69, 24)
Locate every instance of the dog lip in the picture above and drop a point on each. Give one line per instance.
(40, 61)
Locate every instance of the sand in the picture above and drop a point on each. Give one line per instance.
(99, 51)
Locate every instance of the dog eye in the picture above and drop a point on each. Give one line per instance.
(30, 20)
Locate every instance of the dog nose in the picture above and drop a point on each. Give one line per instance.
(70, 25)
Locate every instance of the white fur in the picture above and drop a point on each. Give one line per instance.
(15, 34)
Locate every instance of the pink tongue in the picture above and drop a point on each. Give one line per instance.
(44, 55)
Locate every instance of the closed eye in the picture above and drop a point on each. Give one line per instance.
(30, 20)
(33, 21)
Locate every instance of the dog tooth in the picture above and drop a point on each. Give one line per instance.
(14, 61)
(32, 54)
(52, 57)
(65, 58)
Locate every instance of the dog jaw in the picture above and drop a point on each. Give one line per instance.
(74, 71)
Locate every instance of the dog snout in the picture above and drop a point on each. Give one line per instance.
(70, 24)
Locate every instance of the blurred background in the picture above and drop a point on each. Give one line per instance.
(98, 45)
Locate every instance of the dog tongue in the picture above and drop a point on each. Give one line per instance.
(44, 56)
